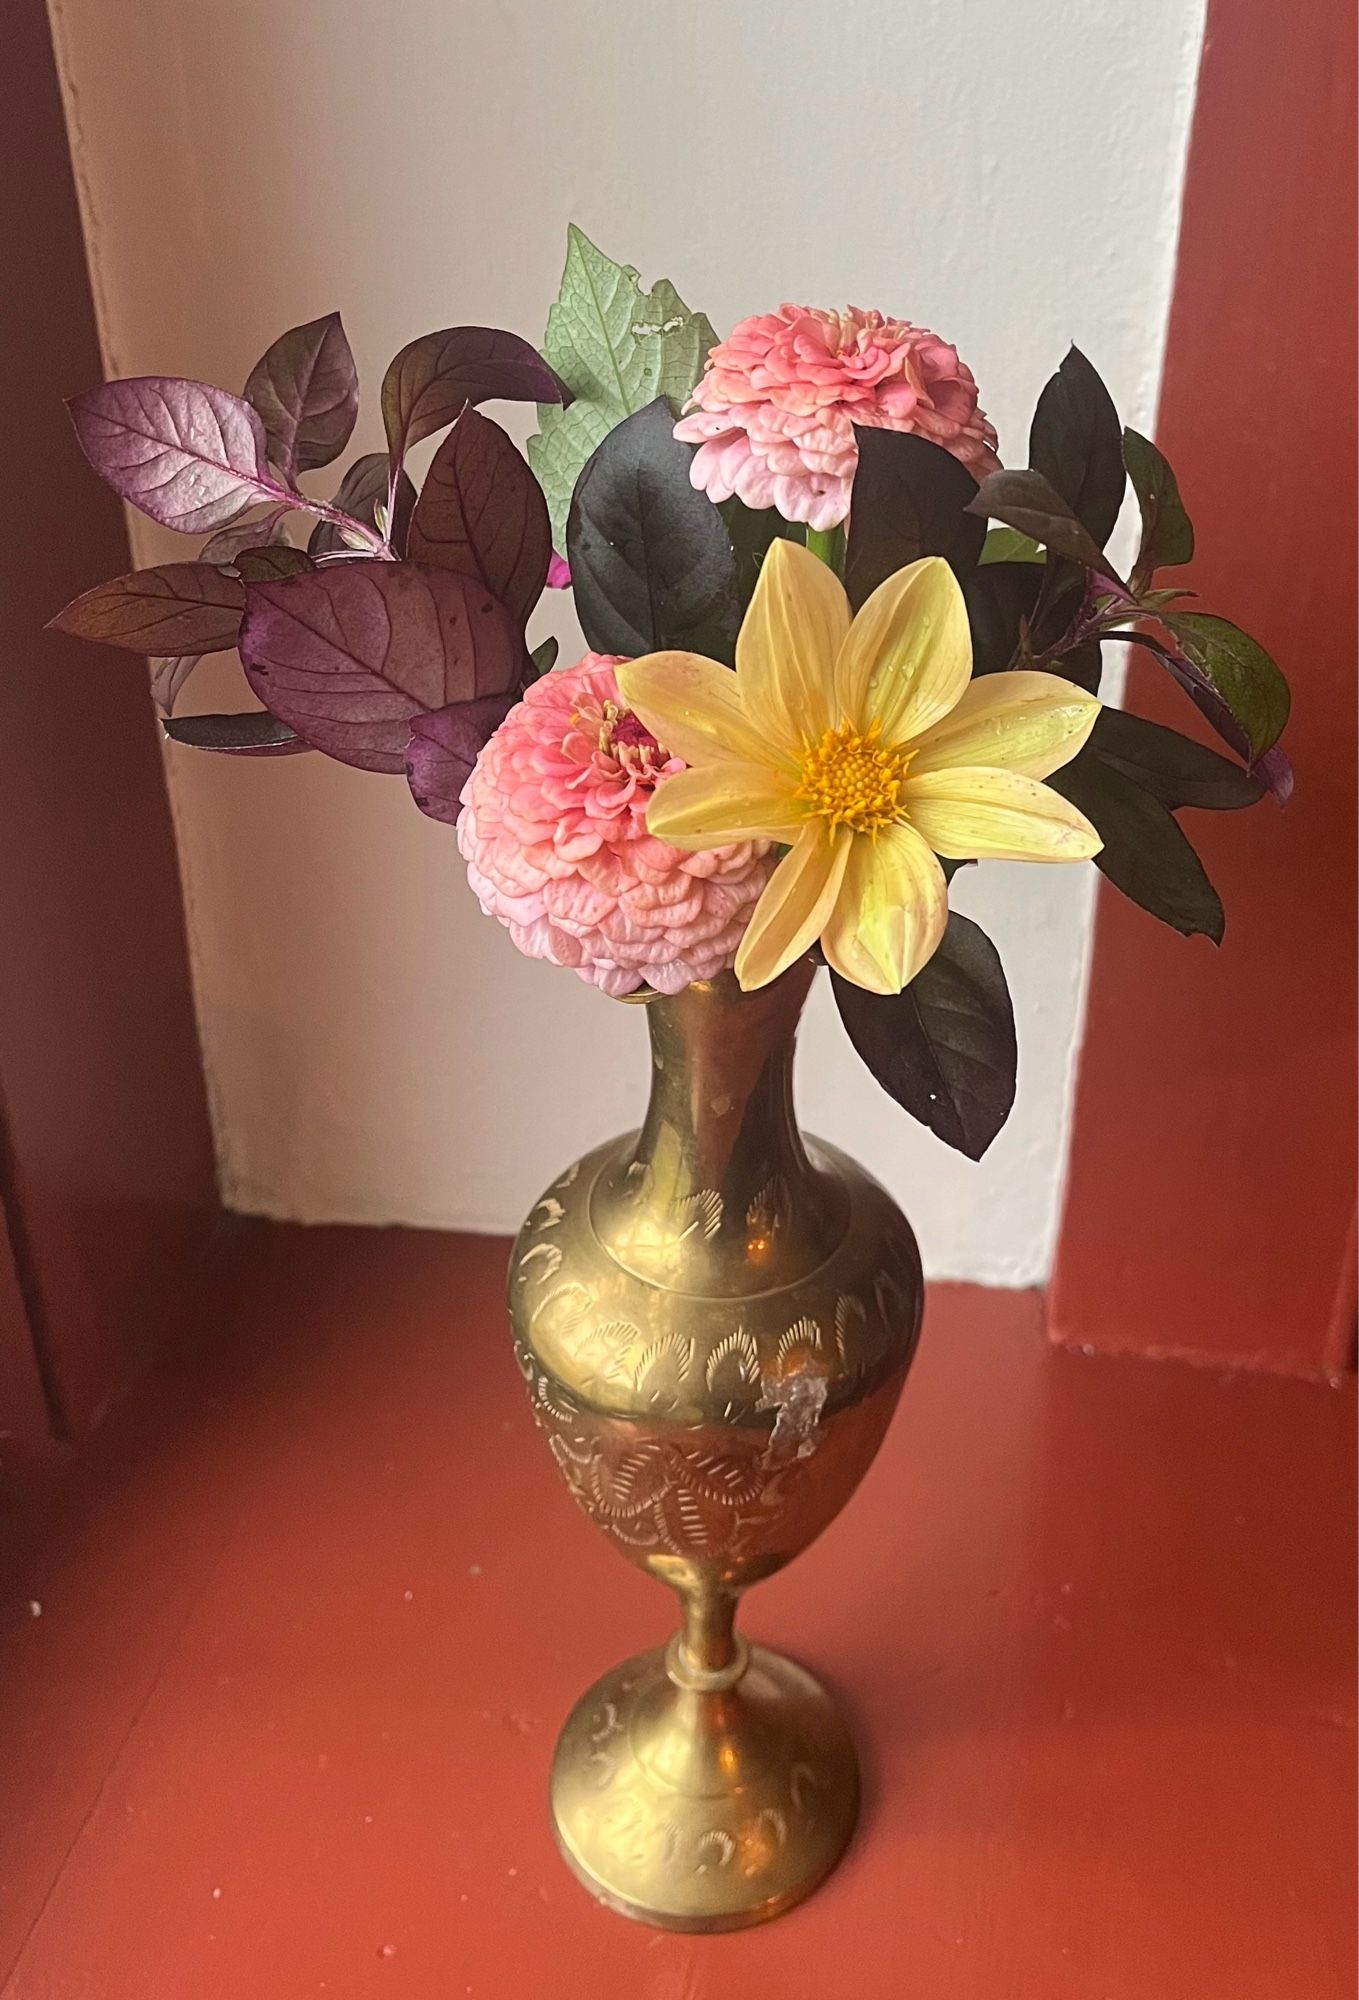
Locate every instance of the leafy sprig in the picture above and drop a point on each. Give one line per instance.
(396, 640)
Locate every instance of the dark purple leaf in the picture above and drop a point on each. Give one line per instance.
(1029, 502)
(944, 1047)
(1000, 601)
(651, 561)
(750, 531)
(255, 733)
(1167, 531)
(909, 500)
(363, 490)
(444, 746)
(543, 658)
(191, 607)
(272, 563)
(1146, 852)
(1076, 443)
(435, 377)
(306, 391)
(1173, 768)
(350, 654)
(187, 454)
(482, 513)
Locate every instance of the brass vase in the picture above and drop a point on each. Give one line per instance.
(714, 1318)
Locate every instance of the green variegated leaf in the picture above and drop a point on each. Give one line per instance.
(616, 348)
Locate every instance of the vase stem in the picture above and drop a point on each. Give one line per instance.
(708, 1644)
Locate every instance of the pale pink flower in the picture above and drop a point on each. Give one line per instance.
(553, 831)
(774, 411)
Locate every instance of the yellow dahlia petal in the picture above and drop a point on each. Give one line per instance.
(890, 913)
(974, 814)
(693, 707)
(1023, 721)
(908, 656)
(797, 901)
(722, 802)
(788, 642)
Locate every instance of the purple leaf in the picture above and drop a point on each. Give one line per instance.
(306, 391)
(1276, 773)
(190, 607)
(169, 674)
(362, 491)
(482, 513)
(168, 677)
(256, 533)
(444, 746)
(433, 378)
(255, 733)
(272, 564)
(349, 655)
(187, 454)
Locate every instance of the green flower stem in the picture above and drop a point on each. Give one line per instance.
(829, 545)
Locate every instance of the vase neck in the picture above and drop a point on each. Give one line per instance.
(717, 1194)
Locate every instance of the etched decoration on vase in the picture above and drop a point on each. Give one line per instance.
(818, 685)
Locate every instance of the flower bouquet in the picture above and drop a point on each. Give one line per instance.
(838, 651)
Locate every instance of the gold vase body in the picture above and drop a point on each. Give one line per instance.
(714, 1318)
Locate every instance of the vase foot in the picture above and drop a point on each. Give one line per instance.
(699, 1809)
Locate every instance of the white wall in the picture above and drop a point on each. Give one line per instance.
(1008, 175)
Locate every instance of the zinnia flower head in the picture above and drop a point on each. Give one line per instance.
(773, 414)
(554, 834)
(864, 746)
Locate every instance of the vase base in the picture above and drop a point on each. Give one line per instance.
(698, 1809)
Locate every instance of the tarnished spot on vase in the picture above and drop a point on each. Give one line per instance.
(797, 1399)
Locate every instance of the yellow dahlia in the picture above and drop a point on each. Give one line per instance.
(865, 746)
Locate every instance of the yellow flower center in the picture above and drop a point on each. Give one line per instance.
(852, 779)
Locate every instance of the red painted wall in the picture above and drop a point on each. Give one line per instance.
(111, 1158)
(1211, 1190)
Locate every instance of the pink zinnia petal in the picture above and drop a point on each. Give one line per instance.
(773, 411)
(554, 835)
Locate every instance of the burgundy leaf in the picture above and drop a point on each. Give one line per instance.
(443, 748)
(256, 533)
(189, 607)
(255, 733)
(482, 513)
(306, 391)
(1028, 502)
(168, 677)
(350, 654)
(187, 454)
(434, 377)
(362, 491)
(169, 674)
(272, 564)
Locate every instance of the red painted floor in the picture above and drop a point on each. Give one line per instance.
(311, 1616)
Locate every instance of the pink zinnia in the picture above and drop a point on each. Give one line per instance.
(773, 414)
(553, 831)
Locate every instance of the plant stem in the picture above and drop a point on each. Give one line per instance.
(829, 545)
